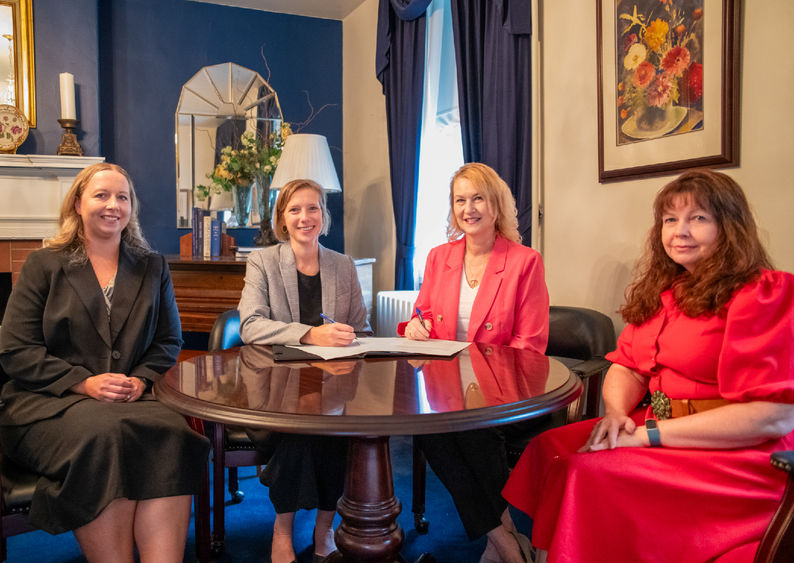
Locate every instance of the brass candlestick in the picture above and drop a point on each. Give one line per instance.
(69, 145)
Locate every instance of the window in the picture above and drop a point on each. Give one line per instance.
(441, 147)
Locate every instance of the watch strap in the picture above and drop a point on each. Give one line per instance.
(653, 433)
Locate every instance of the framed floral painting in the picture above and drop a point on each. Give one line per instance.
(668, 86)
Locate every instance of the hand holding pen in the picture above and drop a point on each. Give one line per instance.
(330, 334)
(419, 328)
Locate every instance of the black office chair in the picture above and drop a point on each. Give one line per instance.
(231, 446)
(17, 485)
(579, 338)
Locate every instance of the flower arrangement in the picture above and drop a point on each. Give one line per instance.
(661, 50)
(255, 160)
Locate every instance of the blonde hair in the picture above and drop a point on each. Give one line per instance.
(497, 196)
(286, 193)
(71, 234)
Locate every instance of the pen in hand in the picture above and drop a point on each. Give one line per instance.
(327, 318)
(421, 318)
(330, 320)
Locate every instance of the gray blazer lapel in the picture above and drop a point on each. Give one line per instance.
(328, 276)
(129, 277)
(289, 273)
(83, 280)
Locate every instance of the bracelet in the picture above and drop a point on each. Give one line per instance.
(653, 433)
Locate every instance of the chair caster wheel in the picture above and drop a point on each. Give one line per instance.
(237, 497)
(420, 524)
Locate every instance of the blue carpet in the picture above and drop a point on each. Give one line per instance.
(249, 525)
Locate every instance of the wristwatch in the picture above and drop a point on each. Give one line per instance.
(653, 433)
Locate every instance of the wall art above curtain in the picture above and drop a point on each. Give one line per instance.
(668, 86)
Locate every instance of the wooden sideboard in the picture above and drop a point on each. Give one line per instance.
(205, 287)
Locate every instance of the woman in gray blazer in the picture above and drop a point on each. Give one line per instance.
(90, 325)
(290, 289)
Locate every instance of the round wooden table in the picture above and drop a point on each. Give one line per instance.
(369, 400)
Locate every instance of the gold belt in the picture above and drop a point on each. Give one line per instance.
(664, 407)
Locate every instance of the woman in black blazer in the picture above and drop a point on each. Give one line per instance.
(90, 325)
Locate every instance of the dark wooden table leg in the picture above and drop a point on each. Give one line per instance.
(369, 530)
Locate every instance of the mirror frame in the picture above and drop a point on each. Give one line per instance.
(24, 63)
(217, 102)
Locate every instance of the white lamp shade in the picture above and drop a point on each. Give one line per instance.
(306, 157)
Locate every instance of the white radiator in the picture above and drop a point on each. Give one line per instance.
(393, 307)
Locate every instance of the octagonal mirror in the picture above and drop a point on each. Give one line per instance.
(217, 107)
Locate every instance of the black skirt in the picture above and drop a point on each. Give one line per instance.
(96, 451)
(302, 472)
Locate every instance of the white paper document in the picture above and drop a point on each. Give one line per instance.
(377, 346)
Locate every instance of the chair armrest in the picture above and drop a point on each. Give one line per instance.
(591, 367)
(783, 460)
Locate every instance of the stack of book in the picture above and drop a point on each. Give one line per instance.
(207, 229)
(244, 251)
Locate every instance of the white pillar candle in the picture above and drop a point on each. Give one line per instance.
(67, 96)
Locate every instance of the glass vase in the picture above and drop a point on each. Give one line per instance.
(242, 203)
(267, 204)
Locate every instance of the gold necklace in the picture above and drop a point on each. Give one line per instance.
(470, 278)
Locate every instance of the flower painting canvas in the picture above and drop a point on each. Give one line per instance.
(659, 68)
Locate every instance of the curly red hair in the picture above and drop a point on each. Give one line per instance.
(738, 259)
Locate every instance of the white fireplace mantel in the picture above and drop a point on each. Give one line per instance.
(32, 187)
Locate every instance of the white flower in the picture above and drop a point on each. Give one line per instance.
(637, 53)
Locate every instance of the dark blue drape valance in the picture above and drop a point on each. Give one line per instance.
(492, 50)
(400, 68)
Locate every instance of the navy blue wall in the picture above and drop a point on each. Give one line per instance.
(142, 51)
(150, 48)
(65, 40)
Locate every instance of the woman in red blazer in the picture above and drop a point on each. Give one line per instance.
(483, 286)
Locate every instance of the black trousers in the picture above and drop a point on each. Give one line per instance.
(472, 465)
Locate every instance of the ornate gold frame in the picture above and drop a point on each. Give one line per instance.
(24, 63)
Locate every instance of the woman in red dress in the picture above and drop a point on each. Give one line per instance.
(711, 335)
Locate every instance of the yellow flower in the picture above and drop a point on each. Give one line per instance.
(655, 34)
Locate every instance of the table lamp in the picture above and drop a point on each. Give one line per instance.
(308, 157)
(305, 156)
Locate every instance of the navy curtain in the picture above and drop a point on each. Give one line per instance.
(492, 52)
(400, 68)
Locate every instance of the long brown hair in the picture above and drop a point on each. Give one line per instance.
(739, 256)
(71, 234)
(497, 195)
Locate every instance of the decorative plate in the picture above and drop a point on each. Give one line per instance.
(14, 128)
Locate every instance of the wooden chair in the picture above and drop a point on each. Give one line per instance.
(579, 338)
(777, 545)
(231, 446)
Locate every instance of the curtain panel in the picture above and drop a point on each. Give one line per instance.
(400, 68)
(492, 50)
